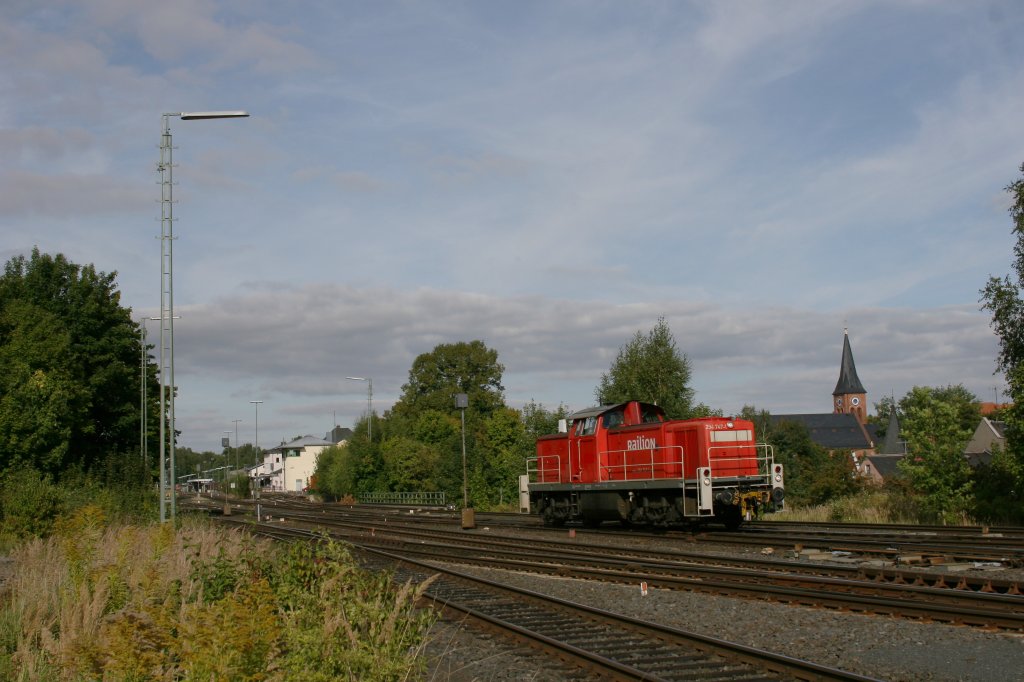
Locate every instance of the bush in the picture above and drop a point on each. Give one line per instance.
(30, 504)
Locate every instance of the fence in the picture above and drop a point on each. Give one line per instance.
(424, 498)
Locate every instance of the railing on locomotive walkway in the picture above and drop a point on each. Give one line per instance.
(433, 499)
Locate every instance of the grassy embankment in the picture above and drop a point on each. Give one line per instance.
(867, 506)
(133, 603)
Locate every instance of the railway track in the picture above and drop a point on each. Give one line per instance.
(605, 644)
(782, 581)
(896, 572)
(900, 544)
(977, 600)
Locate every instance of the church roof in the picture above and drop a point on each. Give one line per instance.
(892, 445)
(831, 431)
(848, 382)
(887, 466)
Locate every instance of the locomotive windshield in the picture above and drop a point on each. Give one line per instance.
(650, 414)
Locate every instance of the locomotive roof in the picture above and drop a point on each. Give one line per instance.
(601, 409)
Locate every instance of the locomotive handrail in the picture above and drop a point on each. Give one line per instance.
(536, 472)
(765, 463)
(633, 467)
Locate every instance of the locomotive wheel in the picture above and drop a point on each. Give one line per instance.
(551, 520)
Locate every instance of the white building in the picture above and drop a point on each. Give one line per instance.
(290, 466)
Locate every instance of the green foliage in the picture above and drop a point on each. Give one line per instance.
(30, 504)
(540, 421)
(650, 368)
(813, 475)
(435, 427)
(436, 377)
(69, 366)
(964, 403)
(408, 465)
(998, 497)
(935, 465)
(1002, 298)
(334, 475)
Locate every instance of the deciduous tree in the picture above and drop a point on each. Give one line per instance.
(1002, 298)
(650, 367)
(69, 366)
(935, 464)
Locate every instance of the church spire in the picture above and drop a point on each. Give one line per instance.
(848, 382)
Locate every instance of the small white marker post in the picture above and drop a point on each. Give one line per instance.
(643, 588)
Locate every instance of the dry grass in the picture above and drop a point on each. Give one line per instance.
(151, 603)
(868, 506)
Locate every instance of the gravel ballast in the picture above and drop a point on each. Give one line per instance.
(882, 647)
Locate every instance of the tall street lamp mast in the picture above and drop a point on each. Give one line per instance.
(166, 169)
(369, 405)
(257, 403)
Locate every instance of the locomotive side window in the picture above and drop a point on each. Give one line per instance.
(650, 415)
(586, 427)
(616, 418)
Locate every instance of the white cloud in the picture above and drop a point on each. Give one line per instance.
(295, 345)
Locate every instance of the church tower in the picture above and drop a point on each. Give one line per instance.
(849, 396)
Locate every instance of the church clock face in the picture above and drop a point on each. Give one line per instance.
(855, 401)
(839, 402)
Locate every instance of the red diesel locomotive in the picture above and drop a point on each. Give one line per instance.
(629, 463)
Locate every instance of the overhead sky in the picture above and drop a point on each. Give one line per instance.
(547, 176)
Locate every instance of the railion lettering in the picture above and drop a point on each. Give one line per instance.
(641, 443)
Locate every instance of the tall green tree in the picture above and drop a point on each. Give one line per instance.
(935, 464)
(650, 367)
(69, 366)
(463, 367)
(427, 408)
(1002, 298)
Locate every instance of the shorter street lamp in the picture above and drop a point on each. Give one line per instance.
(256, 488)
(236, 441)
(468, 515)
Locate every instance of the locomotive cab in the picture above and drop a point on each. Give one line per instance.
(628, 462)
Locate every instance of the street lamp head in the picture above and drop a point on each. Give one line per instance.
(198, 115)
(356, 378)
